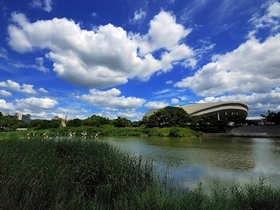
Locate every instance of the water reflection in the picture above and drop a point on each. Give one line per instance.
(190, 160)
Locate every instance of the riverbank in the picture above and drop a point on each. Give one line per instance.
(86, 174)
(261, 131)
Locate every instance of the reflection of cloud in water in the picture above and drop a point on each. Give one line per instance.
(190, 161)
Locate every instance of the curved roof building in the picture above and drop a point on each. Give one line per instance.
(219, 108)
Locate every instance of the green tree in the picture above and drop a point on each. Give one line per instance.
(121, 122)
(168, 117)
(96, 121)
(270, 117)
(74, 122)
(175, 132)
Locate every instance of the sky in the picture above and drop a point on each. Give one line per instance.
(121, 58)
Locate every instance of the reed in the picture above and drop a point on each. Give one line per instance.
(86, 174)
(47, 174)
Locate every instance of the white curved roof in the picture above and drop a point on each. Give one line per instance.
(208, 108)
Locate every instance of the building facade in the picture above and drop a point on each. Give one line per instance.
(218, 108)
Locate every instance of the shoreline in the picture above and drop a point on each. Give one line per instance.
(263, 131)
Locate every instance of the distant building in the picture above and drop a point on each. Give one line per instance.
(23, 117)
(26, 117)
(218, 108)
(18, 116)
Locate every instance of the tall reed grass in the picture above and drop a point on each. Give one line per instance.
(63, 174)
(85, 174)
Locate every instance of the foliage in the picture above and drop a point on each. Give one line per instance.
(96, 121)
(8, 123)
(65, 174)
(121, 122)
(36, 174)
(168, 117)
(271, 117)
(175, 132)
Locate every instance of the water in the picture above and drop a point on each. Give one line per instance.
(188, 161)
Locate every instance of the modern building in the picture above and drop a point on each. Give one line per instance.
(18, 116)
(22, 117)
(26, 117)
(218, 108)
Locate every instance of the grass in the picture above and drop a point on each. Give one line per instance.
(86, 174)
(106, 130)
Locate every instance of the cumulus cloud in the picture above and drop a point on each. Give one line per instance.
(252, 67)
(156, 104)
(111, 99)
(6, 106)
(5, 93)
(14, 86)
(258, 103)
(44, 5)
(26, 88)
(105, 56)
(35, 104)
(131, 115)
(10, 85)
(42, 90)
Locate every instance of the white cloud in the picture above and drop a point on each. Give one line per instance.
(175, 101)
(39, 65)
(162, 36)
(10, 85)
(35, 104)
(252, 67)
(111, 99)
(6, 106)
(258, 103)
(131, 115)
(161, 92)
(5, 93)
(14, 86)
(42, 90)
(26, 88)
(156, 104)
(270, 20)
(138, 15)
(42, 4)
(105, 56)
(3, 53)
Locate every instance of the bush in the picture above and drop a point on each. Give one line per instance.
(175, 132)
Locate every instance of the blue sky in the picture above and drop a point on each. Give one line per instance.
(124, 57)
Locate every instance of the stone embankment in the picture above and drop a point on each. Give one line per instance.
(250, 131)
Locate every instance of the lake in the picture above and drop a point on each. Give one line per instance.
(188, 161)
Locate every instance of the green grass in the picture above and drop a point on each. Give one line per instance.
(85, 174)
(46, 174)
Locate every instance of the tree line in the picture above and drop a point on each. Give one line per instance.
(271, 117)
(166, 117)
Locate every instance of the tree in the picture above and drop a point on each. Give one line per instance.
(74, 122)
(270, 117)
(8, 122)
(96, 120)
(121, 122)
(168, 117)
